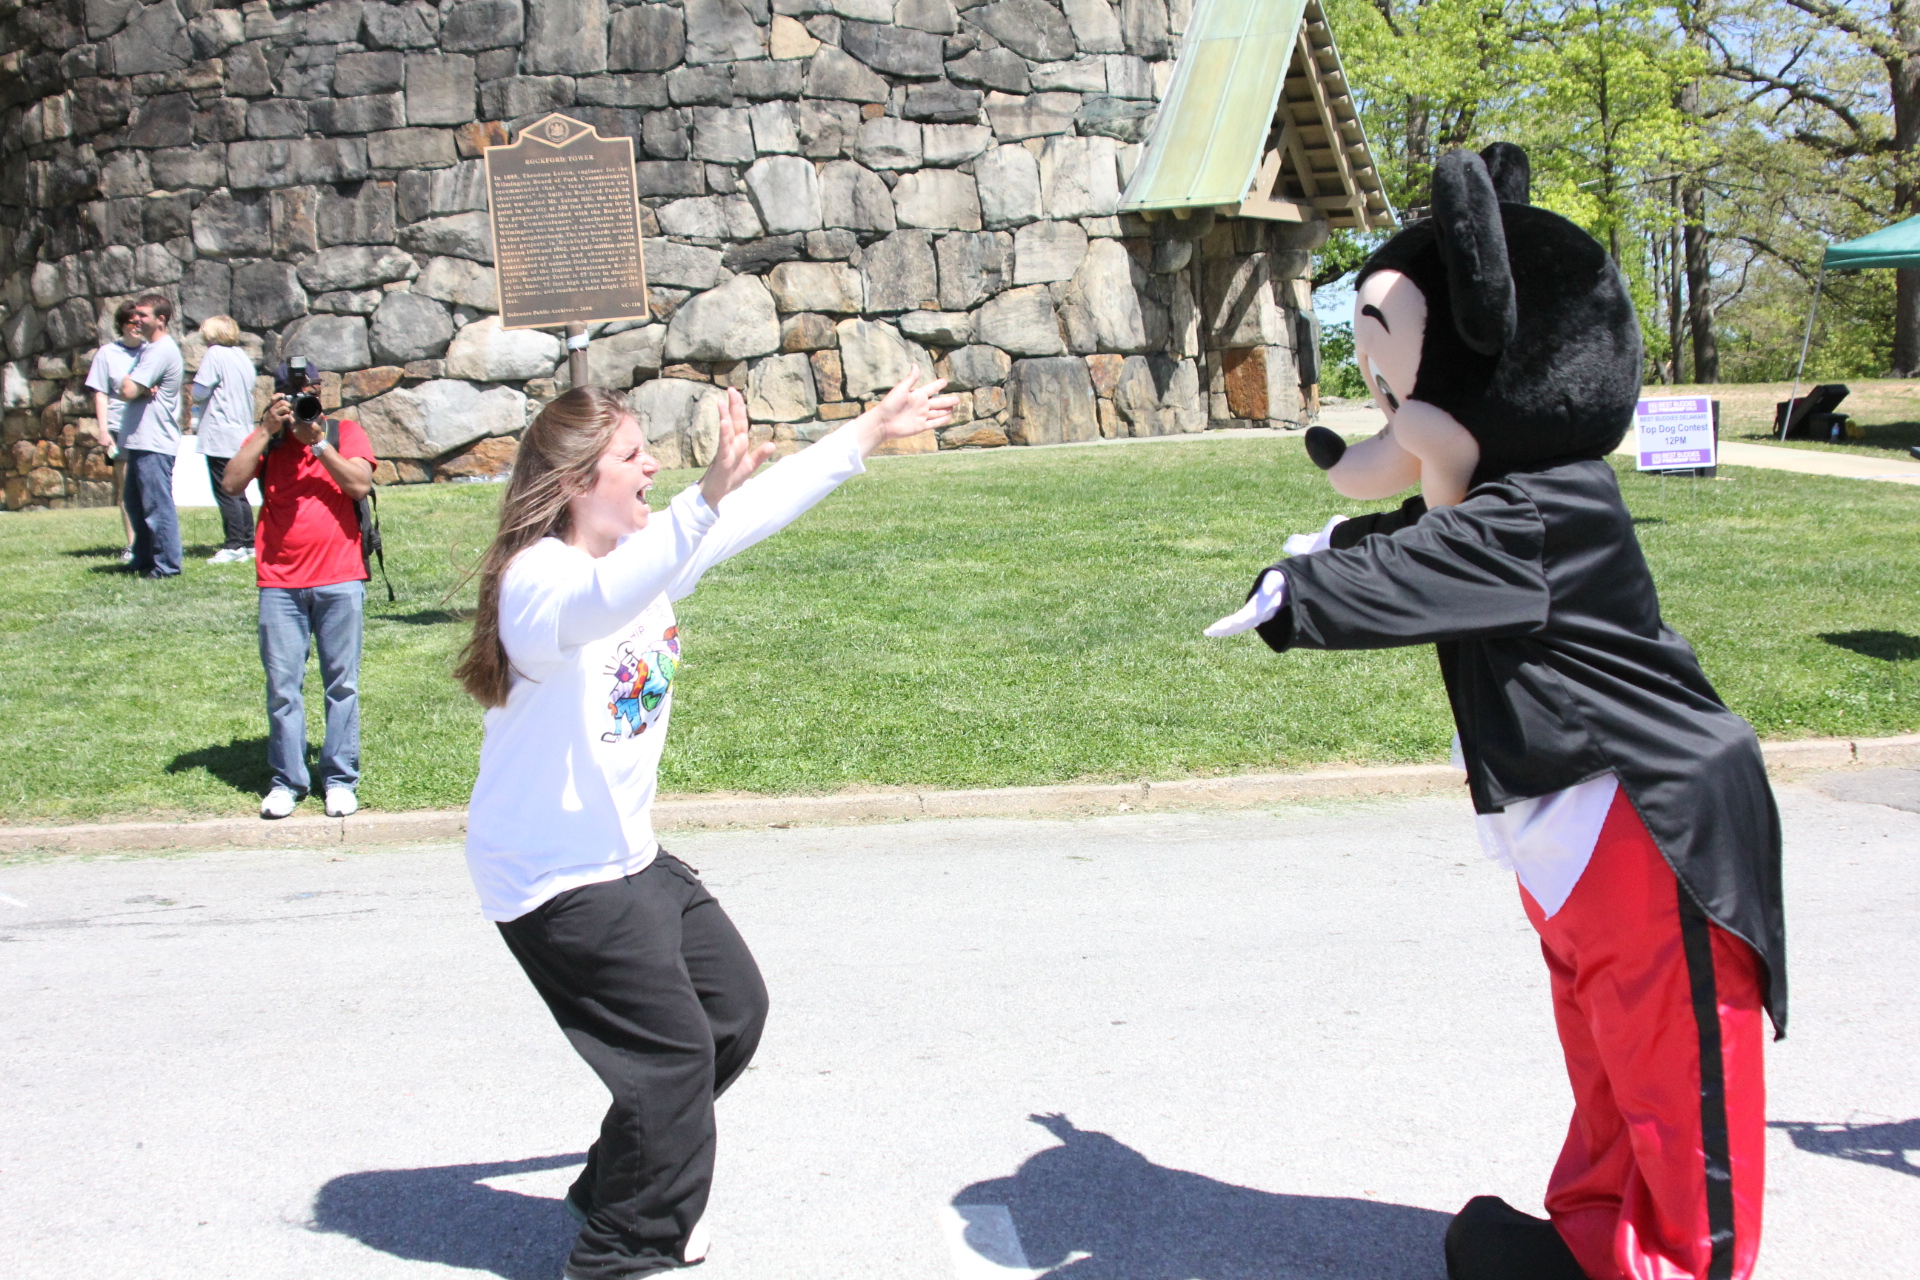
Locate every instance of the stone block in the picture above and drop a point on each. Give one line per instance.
(458, 281)
(1241, 310)
(816, 286)
(735, 321)
(356, 215)
(437, 417)
(774, 131)
(710, 218)
(854, 197)
(1031, 28)
(1051, 402)
(786, 192)
(833, 73)
(154, 40)
(206, 290)
(246, 73)
(440, 89)
(789, 39)
(723, 134)
(461, 235)
(364, 384)
(332, 342)
(516, 96)
(409, 326)
(953, 144)
(1129, 77)
(721, 31)
(899, 273)
(939, 199)
(619, 361)
(473, 25)
(621, 91)
(1082, 75)
(162, 121)
(1121, 119)
(937, 16)
(1035, 116)
(565, 37)
(472, 139)
(1001, 69)
(1108, 306)
(111, 270)
(1144, 25)
(295, 162)
(807, 331)
(1047, 251)
(886, 143)
(647, 37)
(975, 366)
(667, 134)
(431, 193)
(874, 358)
(483, 459)
(1008, 178)
(1078, 177)
(347, 302)
(402, 26)
(485, 352)
(973, 267)
(104, 17)
(681, 418)
(828, 377)
(360, 115)
(1021, 321)
(766, 81)
(898, 51)
(355, 74)
(700, 86)
(780, 389)
(278, 118)
(945, 104)
(230, 226)
(670, 177)
(307, 72)
(860, 10)
(188, 167)
(266, 294)
(826, 129)
(355, 266)
(1095, 28)
(681, 266)
(939, 328)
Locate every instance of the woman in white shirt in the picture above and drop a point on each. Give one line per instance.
(573, 653)
(223, 392)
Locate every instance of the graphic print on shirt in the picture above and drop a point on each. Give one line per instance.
(641, 679)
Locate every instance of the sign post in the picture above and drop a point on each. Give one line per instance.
(566, 232)
(1677, 433)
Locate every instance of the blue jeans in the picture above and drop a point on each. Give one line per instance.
(292, 621)
(148, 496)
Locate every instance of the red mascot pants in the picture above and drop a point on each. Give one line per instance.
(1660, 1019)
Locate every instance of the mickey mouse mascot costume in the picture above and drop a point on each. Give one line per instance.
(1502, 345)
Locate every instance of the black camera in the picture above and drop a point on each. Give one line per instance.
(293, 380)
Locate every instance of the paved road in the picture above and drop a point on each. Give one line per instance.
(1157, 1047)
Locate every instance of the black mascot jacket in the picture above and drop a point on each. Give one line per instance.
(1559, 669)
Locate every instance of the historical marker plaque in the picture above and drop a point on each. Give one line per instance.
(566, 227)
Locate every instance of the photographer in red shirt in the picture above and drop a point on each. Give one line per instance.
(312, 582)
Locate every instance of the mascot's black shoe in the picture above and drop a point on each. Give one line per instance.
(1492, 1240)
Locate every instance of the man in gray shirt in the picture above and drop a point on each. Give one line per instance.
(150, 436)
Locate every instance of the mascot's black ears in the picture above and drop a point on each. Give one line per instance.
(1473, 244)
(1511, 173)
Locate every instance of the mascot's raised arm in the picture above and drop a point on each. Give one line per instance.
(1502, 345)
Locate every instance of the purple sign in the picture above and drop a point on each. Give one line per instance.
(1674, 432)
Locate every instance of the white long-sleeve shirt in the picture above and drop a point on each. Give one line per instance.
(569, 764)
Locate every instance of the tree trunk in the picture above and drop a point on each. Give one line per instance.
(1706, 352)
(1904, 79)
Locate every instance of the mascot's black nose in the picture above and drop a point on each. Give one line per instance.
(1325, 447)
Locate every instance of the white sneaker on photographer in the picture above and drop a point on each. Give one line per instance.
(341, 802)
(278, 804)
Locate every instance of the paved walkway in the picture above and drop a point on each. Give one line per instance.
(1201, 1046)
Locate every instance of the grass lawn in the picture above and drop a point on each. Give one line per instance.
(1889, 409)
(982, 619)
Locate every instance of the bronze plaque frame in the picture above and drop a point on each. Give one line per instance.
(565, 212)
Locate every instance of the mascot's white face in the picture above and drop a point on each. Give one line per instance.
(1420, 443)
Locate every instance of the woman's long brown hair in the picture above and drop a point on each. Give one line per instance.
(559, 456)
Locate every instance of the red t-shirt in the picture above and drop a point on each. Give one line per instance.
(309, 535)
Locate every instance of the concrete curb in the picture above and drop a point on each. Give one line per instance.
(712, 813)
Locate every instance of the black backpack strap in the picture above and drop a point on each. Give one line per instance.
(367, 510)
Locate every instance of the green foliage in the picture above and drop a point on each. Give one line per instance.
(1339, 374)
(987, 619)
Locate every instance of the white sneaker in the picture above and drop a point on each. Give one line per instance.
(341, 802)
(225, 555)
(695, 1250)
(278, 804)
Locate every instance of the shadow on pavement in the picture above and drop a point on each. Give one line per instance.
(1883, 1145)
(1095, 1209)
(446, 1215)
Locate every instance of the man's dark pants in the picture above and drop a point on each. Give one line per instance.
(236, 513)
(656, 990)
(148, 496)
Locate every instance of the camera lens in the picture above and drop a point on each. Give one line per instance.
(306, 407)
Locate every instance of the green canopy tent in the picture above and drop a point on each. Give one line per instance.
(1894, 246)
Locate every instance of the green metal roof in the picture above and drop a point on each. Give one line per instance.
(1894, 246)
(1213, 125)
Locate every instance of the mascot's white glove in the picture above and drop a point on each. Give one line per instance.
(1272, 591)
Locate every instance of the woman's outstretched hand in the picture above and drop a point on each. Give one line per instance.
(735, 458)
(906, 411)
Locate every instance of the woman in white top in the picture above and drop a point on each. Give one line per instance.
(223, 391)
(573, 653)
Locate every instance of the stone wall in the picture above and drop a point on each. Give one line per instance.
(833, 190)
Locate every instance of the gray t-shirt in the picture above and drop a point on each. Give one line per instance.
(226, 419)
(110, 364)
(153, 421)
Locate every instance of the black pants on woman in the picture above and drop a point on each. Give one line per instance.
(657, 991)
(236, 513)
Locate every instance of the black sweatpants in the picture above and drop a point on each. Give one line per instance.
(236, 513)
(657, 991)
